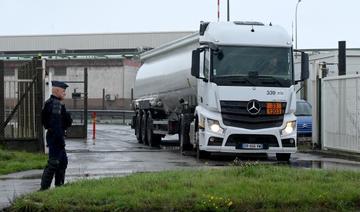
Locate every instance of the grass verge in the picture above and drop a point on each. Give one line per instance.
(245, 188)
(14, 161)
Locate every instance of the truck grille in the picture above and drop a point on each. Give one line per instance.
(235, 114)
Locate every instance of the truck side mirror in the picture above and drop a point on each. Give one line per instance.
(304, 66)
(195, 65)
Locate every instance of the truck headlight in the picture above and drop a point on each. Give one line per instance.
(214, 126)
(289, 128)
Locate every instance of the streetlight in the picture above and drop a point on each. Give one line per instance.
(228, 10)
(296, 37)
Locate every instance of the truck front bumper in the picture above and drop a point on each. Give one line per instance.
(239, 140)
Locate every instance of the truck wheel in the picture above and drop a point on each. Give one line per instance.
(283, 156)
(200, 154)
(204, 154)
(138, 127)
(184, 137)
(143, 128)
(152, 139)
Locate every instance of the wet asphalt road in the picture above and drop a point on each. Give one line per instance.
(115, 152)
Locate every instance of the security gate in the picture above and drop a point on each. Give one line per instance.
(80, 117)
(341, 113)
(21, 100)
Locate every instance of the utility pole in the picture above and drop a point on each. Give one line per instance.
(296, 37)
(218, 12)
(2, 101)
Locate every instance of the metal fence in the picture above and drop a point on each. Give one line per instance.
(340, 113)
(22, 124)
(22, 98)
(123, 117)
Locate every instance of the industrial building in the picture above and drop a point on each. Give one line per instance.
(112, 61)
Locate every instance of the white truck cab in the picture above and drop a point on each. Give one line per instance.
(242, 80)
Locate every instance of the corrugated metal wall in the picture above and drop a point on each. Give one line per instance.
(88, 41)
(341, 113)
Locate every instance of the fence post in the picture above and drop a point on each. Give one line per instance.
(85, 101)
(342, 58)
(94, 125)
(2, 100)
(39, 102)
(319, 143)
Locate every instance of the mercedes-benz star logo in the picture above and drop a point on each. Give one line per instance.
(253, 107)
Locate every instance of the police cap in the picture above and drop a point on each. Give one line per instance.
(59, 84)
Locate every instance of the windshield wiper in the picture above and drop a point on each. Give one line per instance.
(237, 79)
(243, 80)
(275, 79)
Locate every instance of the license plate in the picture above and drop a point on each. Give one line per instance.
(252, 146)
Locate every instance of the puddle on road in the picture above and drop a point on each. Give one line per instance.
(228, 160)
(310, 164)
(328, 165)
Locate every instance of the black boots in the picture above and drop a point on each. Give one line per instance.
(54, 167)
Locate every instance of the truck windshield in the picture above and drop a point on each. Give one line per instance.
(252, 66)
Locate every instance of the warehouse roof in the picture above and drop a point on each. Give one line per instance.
(106, 41)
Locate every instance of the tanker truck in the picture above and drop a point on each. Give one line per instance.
(229, 88)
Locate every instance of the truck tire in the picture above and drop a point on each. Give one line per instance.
(143, 128)
(283, 156)
(200, 154)
(152, 139)
(138, 127)
(204, 154)
(184, 138)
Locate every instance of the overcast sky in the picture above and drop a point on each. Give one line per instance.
(321, 23)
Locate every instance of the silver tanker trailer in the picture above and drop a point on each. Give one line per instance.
(229, 88)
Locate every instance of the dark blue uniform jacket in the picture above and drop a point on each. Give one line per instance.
(56, 120)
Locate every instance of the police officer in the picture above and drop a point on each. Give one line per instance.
(56, 120)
